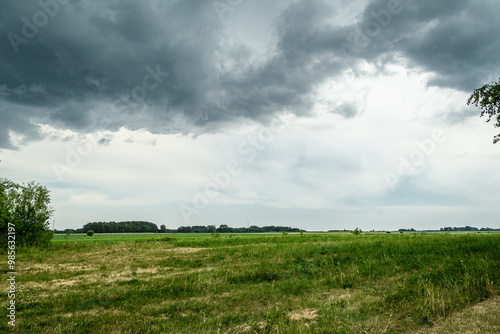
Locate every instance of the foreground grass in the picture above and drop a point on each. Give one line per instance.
(483, 317)
(323, 283)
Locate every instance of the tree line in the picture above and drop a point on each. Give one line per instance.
(228, 229)
(120, 227)
(467, 229)
(148, 227)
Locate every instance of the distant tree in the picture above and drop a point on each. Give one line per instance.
(225, 229)
(27, 208)
(113, 227)
(121, 227)
(357, 231)
(68, 233)
(184, 229)
(487, 98)
(163, 229)
(90, 233)
(202, 229)
(100, 228)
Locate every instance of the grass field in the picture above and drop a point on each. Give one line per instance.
(311, 283)
(136, 236)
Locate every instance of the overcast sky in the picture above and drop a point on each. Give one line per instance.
(314, 114)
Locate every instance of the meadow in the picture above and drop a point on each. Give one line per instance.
(265, 283)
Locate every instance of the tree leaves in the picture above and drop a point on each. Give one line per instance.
(27, 206)
(487, 98)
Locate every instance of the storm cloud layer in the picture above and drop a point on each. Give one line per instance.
(179, 67)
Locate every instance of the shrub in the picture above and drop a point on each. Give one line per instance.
(25, 208)
(90, 233)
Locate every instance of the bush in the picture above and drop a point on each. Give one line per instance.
(25, 208)
(90, 233)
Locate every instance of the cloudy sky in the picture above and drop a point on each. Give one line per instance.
(313, 114)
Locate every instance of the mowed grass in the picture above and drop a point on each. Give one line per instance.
(314, 283)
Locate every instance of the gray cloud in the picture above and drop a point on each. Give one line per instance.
(14, 122)
(455, 40)
(80, 68)
(348, 110)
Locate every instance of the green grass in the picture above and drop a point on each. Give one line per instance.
(315, 283)
(58, 238)
(136, 236)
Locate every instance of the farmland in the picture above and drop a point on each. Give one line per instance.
(261, 283)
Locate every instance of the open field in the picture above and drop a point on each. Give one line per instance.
(314, 283)
(136, 236)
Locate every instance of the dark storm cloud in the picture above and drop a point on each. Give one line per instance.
(167, 66)
(14, 121)
(457, 40)
(151, 59)
(302, 60)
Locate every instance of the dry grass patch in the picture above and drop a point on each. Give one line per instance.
(481, 318)
(55, 267)
(187, 249)
(307, 314)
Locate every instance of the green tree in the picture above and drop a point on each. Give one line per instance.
(4, 217)
(487, 98)
(27, 207)
(163, 229)
(100, 228)
(184, 229)
(224, 229)
(90, 233)
(357, 231)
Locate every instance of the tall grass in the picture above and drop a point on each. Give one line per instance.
(323, 283)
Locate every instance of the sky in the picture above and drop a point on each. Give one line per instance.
(320, 115)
